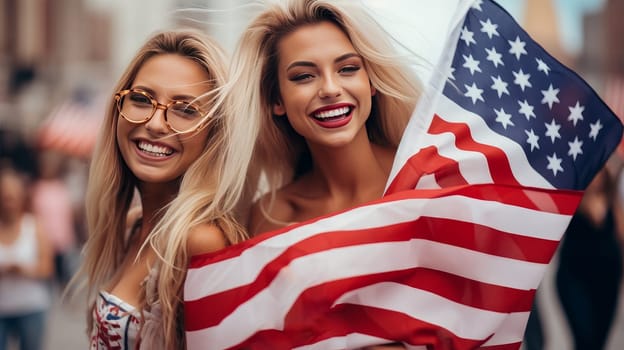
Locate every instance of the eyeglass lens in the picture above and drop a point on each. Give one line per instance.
(138, 107)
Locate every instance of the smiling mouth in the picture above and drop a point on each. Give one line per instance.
(154, 150)
(333, 114)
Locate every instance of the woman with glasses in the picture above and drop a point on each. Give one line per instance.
(162, 118)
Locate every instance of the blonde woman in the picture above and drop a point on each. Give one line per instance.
(327, 96)
(320, 88)
(160, 121)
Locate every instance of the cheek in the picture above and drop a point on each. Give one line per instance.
(120, 136)
(297, 98)
(122, 129)
(122, 141)
(194, 146)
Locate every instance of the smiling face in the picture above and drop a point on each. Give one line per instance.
(153, 152)
(325, 91)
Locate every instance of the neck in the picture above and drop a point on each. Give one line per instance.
(154, 197)
(356, 172)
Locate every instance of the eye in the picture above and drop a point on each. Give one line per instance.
(349, 69)
(301, 77)
(185, 110)
(139, 99)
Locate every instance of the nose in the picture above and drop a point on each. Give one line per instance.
(330, 87)
(157, 123)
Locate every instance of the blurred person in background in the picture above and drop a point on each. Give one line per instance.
(26, 265)
(53, 208)
(590, 265)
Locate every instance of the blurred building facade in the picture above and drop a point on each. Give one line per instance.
(54, 50)
(614, 35)
(542, 22)
(48, 48)
(602, 56)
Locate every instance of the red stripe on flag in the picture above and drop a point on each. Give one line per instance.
(446, 170)
(498, 163)
(550, 201)
(427, 161)
(308, 305)
(472, 293)
(474, 237)
(347, 318)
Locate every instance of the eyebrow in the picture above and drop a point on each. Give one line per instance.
(311, 64)
(173, 98)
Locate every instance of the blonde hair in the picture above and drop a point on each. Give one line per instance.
(280, 153)
(111, 185)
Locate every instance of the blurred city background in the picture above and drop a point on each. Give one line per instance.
(59, 60)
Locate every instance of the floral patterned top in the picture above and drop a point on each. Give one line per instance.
(117, 324)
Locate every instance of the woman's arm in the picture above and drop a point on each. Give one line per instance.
(205, 238)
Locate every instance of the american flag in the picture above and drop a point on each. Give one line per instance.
(71, 128)
(487, 176)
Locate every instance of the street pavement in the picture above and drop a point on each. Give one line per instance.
(66, 328)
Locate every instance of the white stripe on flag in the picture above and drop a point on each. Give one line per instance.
(472, 165)
(456, 208)
(315, 269)
(350, 341)
(511, 330)
(427, 182)
(481, 133)
(423, 305)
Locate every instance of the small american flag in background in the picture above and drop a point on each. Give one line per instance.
(485, 181)
(71, 128)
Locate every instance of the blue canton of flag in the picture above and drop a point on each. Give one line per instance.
(501, 74)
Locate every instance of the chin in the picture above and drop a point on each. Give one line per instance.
(151, 178)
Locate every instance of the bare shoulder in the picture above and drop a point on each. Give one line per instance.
(205, 238)
(269, 214)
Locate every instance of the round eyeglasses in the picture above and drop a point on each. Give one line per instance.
(138, 107)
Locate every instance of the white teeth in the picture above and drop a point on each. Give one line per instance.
(154, 149)
(332, 113)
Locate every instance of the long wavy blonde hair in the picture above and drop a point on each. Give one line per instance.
(111, 186)
(280, 153)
